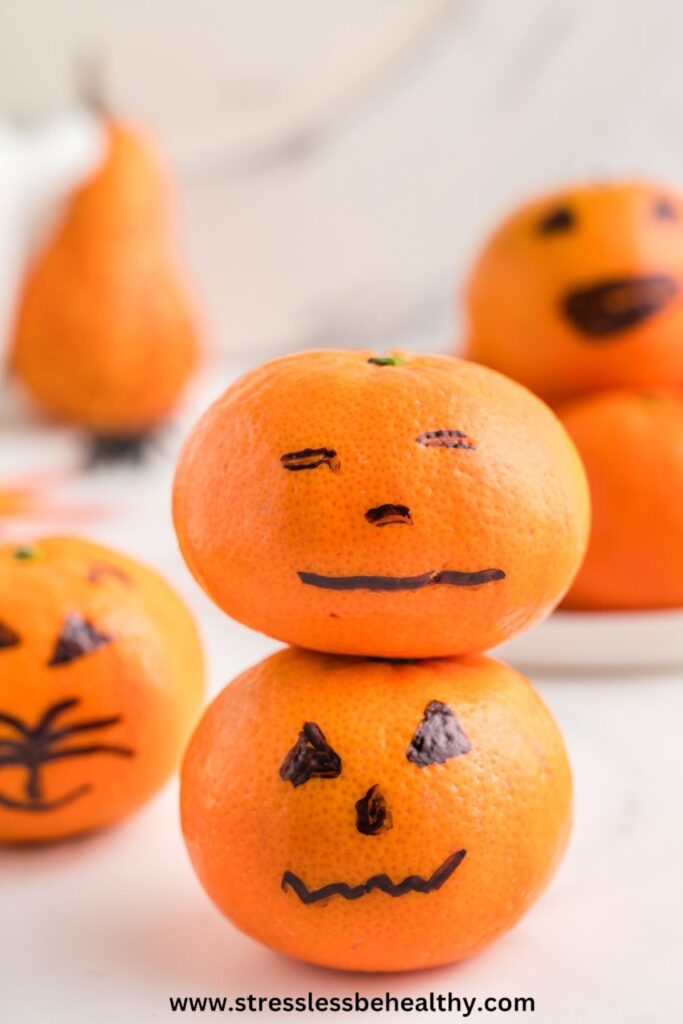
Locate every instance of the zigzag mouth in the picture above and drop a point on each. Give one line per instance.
(448, 577)
(382, 883)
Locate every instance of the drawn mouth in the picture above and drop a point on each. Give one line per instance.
(33, 747)
(614, 306)
(43, 806)
(447, 577)
(382, 883)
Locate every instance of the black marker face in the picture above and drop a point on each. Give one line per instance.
(377, 883)
(391, 514)
(557, 221)
(604, 309)
(610, 307)
(386, 515)
(310, 458)
(77, 638)
(8, 637)
(50, 739)
(447, 577)
(445, 439)
(311, 757)
(372, 814)
(437, 739)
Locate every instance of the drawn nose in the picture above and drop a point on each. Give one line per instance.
(384, 515)
(372, 814)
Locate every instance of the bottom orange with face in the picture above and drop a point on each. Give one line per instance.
(376, 815)
(101, 679)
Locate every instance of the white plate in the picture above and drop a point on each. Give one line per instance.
(599, 640)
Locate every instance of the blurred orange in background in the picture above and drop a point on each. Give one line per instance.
(582, 289)
(579, 295)
(102, 676)
(631, 443)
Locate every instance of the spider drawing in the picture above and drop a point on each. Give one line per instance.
(32, 747)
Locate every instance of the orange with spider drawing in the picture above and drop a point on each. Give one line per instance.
(101, 678)
(376, 816)
(400, 506)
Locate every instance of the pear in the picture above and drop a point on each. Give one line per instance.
(105, 334)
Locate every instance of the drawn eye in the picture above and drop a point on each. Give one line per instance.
(77, 638)
(438, 737)
(96, 573)
(311, 458)
(445, 439)
(663, 209)
(559, 219)
(8, 638)
(311, 757)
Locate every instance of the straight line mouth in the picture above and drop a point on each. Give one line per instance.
(381, 883)
(446, 577)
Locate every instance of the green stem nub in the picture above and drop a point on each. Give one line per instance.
(26, 553)
(386, 361)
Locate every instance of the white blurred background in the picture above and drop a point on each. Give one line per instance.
(338, 160)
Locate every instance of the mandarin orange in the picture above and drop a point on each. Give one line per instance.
(374, 815)
(101, 679)
(399, 506)
(632, 446)
(582, 289)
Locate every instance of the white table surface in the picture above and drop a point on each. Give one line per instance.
(106, 928)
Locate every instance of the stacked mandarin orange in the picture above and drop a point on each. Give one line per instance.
(380, 796)
(579, 296)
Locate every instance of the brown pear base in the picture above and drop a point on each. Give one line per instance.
(131, 449)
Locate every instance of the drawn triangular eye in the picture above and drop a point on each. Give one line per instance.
(311, 757)
(77, 638)
(438, 737)
(8, 638)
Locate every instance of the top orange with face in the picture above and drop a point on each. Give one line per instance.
(582, 290)
(401, 506)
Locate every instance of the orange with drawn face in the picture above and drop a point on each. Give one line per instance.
(376, 816)
(401, 506)
(100, 682)
(582, 290)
